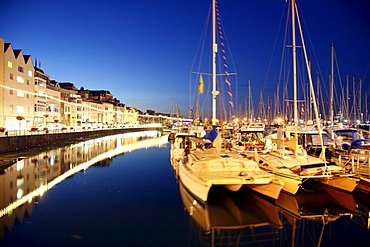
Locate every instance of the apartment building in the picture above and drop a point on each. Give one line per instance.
(28, 98)
(17, 87)
(47, 100)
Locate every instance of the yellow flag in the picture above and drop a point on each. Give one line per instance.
(201, 84)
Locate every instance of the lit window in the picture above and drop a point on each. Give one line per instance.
(20, 94)
(10, 64)
(20, 109)
(20, 79)
(29, 73)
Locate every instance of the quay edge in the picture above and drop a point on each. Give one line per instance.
(23, 142)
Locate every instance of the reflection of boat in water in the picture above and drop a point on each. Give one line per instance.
(307, 214)
(233, 218)
(363, 206)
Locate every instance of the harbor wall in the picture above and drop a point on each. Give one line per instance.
(23, 142)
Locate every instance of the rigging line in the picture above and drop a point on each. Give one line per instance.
(313, 51)
(227, 78)
(232, 60)
(200, 50)
(285, 93)
(201, 110)
(274, 49)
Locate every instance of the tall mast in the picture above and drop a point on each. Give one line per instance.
(354, 100)
(294, 78)
(322, 156)
(360, 102)
(332, 86)
(249, 100)
(214, 53)
(347, 100)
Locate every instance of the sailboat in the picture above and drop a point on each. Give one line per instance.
(288, 160)
(205, 164)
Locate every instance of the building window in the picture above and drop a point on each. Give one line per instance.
(11, 76)
(11, 108)
(20, 69)
(11, 91)
(20, 94)
(29, 73)
(20, 109)
(20, 79)
(27, 95)
(27, 110)
(28, 82)
(10, 64)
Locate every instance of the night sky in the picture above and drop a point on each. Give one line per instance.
(144, 51)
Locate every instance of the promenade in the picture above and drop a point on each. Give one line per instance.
(21, 140)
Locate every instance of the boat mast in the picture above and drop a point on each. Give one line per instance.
(294, 79)
(214, 53)
(322, 156)
(332, 86)
(249, 101)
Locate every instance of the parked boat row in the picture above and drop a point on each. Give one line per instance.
(292, 158)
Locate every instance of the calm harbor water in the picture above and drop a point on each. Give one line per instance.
(122, 191)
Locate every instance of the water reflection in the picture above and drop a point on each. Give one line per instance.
(307, 216)
(232, 219)
(32, 176)
(245, 219)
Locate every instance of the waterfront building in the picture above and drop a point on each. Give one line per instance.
(71, 104)
(108, 113)
(47, 100)
(119, 109)
(30, 100)
(17, 87)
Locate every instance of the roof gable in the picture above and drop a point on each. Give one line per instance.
(6, 46)
(17, 53)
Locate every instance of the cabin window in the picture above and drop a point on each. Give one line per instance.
(236, 165)
(217, 165)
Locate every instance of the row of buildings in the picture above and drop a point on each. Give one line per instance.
(28, 98)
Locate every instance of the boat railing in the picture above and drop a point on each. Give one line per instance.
(356, 163)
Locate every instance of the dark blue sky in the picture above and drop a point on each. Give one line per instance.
(143, 50)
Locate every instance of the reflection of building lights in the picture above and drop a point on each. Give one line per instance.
(20, 181)
(52, 159)
(20, 164)
(19, 193)
(153, 142)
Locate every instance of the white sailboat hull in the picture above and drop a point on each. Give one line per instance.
(200, 173)
(271, 189)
